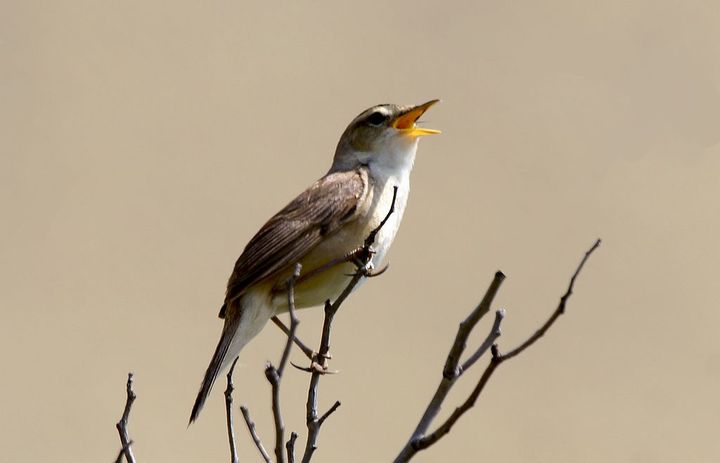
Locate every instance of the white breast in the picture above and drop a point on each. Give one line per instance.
(386, 170)
(390, 170)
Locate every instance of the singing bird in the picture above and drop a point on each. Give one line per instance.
(326, 222)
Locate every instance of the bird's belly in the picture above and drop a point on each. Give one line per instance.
(324, 275)
(326, 285)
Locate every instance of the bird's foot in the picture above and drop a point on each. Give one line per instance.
(361, 256)
(318, 365)
(368, 270)
(322, 369)
(371, 273)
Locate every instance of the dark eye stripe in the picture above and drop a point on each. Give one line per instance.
(377, 118)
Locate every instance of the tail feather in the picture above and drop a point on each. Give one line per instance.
(242, 323)
(219, 362)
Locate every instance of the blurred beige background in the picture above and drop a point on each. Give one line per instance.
(136, 145)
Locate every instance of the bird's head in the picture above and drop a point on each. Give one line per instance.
(384, 135)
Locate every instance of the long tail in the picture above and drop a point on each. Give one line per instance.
(242, 323)
(220, 361)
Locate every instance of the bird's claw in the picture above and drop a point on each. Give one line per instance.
(368, 271)
(362, 255)
(322, 359)
(371, 274)
(318, 365)
(322, 369)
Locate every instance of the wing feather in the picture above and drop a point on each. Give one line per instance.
(319, 211)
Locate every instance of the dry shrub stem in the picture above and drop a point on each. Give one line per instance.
(123, 423)
(290, 446)
(253, 433)
(228, 413)
(274, 375)
(420, 438)
(309, 353)
(362, 257)
(121, 454)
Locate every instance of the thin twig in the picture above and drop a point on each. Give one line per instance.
(294, 322)
(488, 343)
(428, 440)
(274, 379)
(558, 311)
(363, 256)
(301, 345)
(274, 375)
(451, 371)
(123, 423)
(121, 453)
(229, 415)
(492, 336)
(467, 325)
(370, 240)
(290, 447)
(423, 441)
(253, 433)
(312, 420)
(330, 411)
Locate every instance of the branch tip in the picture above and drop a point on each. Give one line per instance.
(421, 439)
(123, 423)
(330, 411)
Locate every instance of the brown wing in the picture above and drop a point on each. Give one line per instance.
(317, 212)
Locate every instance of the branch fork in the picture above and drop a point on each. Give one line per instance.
(422, 437)
(319, 359)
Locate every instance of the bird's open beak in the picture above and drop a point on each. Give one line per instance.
(407, 119)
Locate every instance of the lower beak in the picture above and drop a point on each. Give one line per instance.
(405, 122)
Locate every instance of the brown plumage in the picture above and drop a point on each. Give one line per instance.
(317, 229)
(289, 236)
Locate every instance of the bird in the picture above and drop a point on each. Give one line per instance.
(370, 172)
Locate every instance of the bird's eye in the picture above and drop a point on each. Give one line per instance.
(377, 118)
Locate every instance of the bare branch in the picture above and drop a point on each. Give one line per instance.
(467, 325)
(294, 322)
(558, 311)
(362, 258)
(370, 240)
(228, 413)
(495, 333)
(301, 345)
(290, 447)
(330, 411)
(312, 420)
(451, 371)
(121, 453)
(426, 441)
(123, 423)
(274, 375)
(253, 433)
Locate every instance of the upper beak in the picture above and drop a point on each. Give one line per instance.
(407, 119)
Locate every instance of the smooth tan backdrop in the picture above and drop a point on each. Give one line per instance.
(143, 143)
